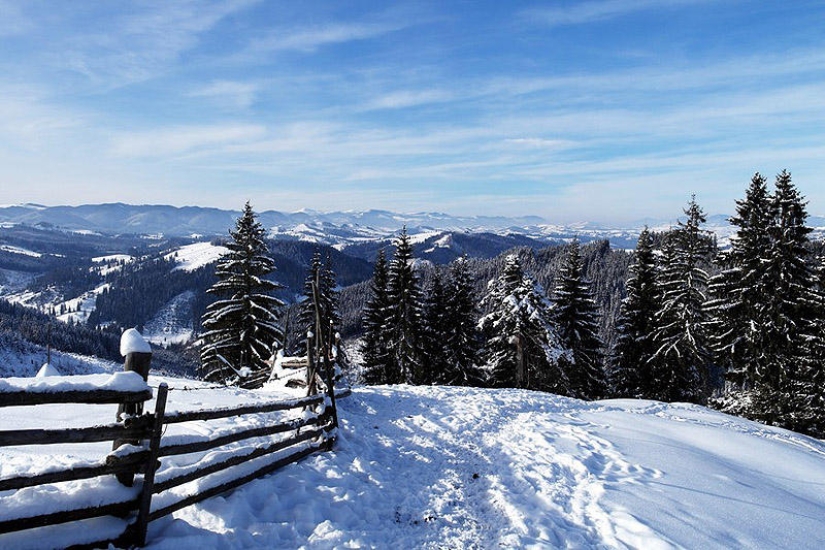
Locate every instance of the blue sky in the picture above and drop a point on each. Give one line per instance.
(604, 110)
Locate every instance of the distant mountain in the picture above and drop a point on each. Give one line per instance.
(339, 229)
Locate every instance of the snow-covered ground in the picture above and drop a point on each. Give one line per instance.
(423, 467)
(18, 250)
(194, 256)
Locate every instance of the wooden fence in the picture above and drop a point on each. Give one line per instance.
(308, 433)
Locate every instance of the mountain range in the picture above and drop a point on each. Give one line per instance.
(332, 228)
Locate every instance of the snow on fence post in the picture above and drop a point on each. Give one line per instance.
(138, 354)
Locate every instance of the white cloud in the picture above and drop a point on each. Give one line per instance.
(184, 139)
(143, 42)
(410, 98)
(309, 39)
(239, 95)
(588, 12)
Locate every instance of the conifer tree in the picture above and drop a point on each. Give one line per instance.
(681, 363)
(327, 300)
(738, 292)
(375, 347)
(784, 382)
(576, 319)
(522, 347)
(435, 329)
(462, 340)
(405, 323)
(634, 349)
(241, 327)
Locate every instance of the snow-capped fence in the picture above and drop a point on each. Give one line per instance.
(93, 389)
(214, 466)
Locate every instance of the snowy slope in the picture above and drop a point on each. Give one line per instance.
(196, 255)
(173, 323)
(421, 467)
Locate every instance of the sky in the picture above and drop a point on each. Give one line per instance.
(601, 110)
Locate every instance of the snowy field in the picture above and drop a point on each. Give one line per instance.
(419, 467)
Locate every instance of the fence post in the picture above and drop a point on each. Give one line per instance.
(138, 355)
(145, 504)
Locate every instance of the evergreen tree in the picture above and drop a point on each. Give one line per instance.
(375, 348)
(681, 362)
(434, 332)
(522, 346)
(461, 340)
(634, 349)
(784, 383)
(738, 292)
(576, 319)
(324, 276)
(241, 327)
(405, 323)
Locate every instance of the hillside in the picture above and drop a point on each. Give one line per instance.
(431, 467)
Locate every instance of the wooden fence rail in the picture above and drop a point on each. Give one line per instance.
(304, 435)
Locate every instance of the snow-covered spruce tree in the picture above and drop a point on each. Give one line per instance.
(682, 361)
(434, 331)
(630, 357)
(522, 347)
(738, 293)
(405, 322)
(241, 327)
(576, 318)
(327, 300)
(785, 382)
(462, 339)
(375, 347)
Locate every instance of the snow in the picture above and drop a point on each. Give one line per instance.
(119, 381)
(172, 324)
(197, 255)
(111, 263)
(47, 370)
(131, 341)
(432, 467)
(20, 251)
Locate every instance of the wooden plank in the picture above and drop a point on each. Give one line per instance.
(90, 397)
(235, 483)
(237, 459)
(113, 466)
(120, 509)
(212, 414)
(94, 434)
(209, 444)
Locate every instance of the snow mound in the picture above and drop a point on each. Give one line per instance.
(132, 342)
(47, 370)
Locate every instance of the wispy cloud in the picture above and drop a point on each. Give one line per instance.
(309, 39)
(410, 98)
(28, 120)
(142, 43)
(181, 140)
(240, 95)
(599, 10)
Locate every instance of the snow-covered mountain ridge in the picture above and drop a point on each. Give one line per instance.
(333, 228)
